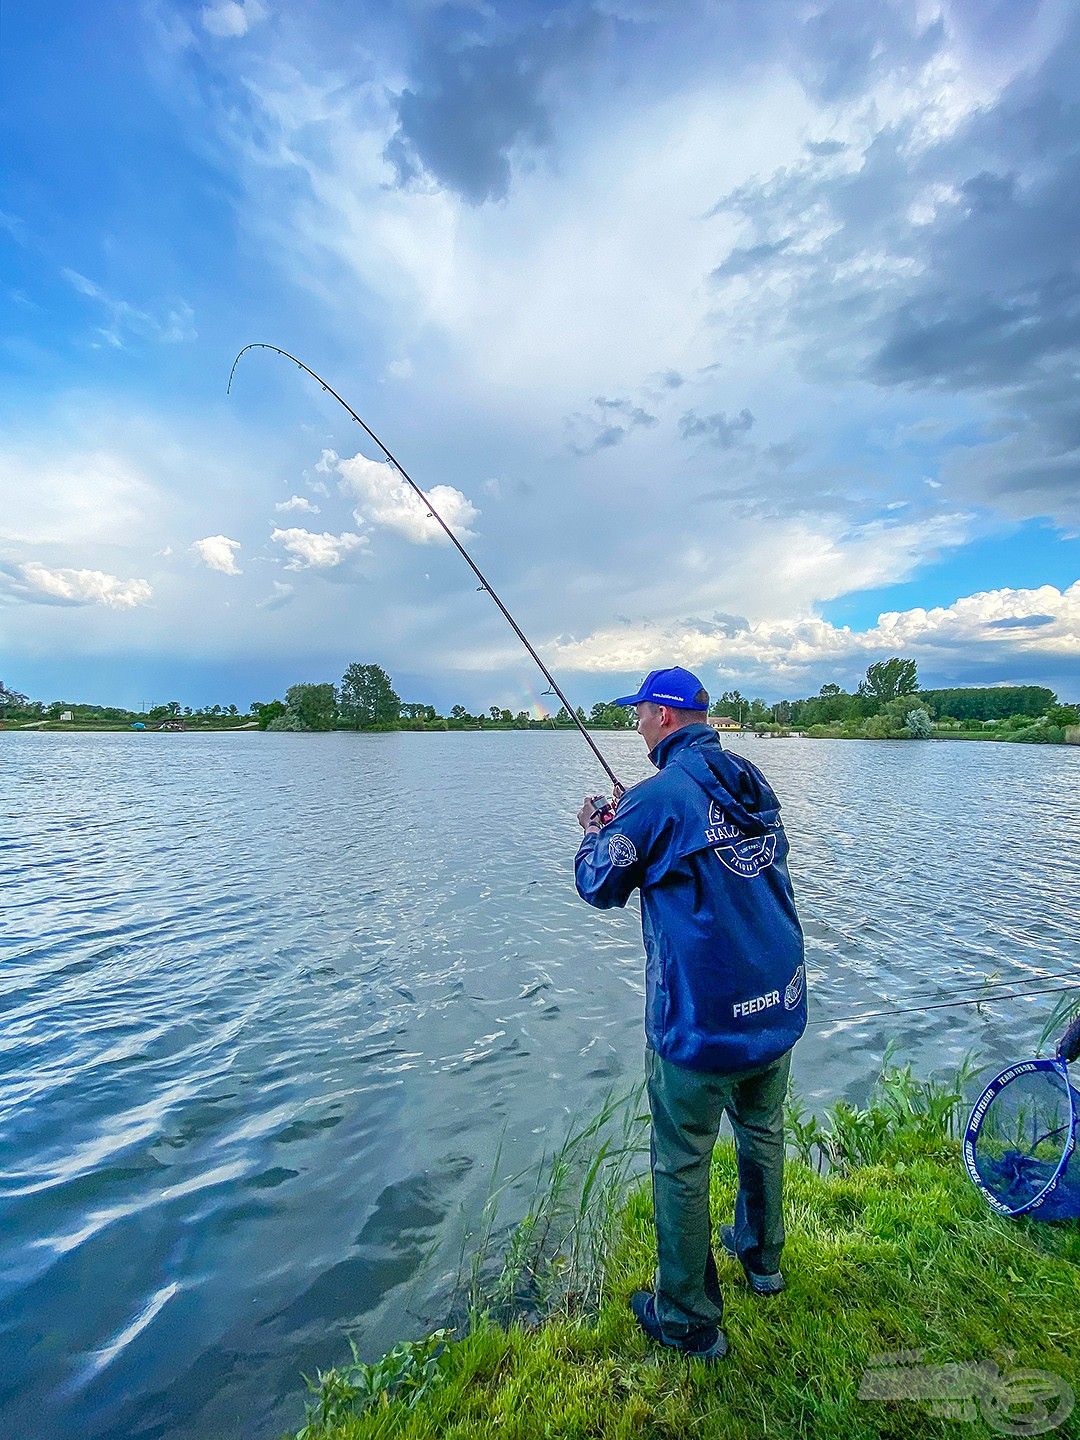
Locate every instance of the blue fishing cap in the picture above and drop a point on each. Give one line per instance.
(675, 688)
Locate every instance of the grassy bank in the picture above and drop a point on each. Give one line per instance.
(890, 1249)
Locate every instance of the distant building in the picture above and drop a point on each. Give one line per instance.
(724, 722)
(67, 715)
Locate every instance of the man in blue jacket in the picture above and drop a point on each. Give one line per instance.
(725, 995)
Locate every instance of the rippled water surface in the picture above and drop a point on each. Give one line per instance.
(270, 1001)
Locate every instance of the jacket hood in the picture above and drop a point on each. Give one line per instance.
(732, 783)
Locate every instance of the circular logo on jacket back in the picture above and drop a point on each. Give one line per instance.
(796, 989)
(742, 854)
(621, 849)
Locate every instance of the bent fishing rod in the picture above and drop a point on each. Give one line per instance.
(426, 502)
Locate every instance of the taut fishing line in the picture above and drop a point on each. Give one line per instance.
(426, 502)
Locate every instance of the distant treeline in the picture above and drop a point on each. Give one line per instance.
(887, 703)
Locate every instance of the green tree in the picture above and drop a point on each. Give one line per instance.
(265, 714)
(11, 699)
(495, 713)
(505, 717)
(731, 702)
(829, 689)
(611, 716)
(314, 706)
(1063, 715)
(917, 724)
(367, 697)
(563, 717)
(886, 679)
(989, 702)
(878, 727)
(458, 712)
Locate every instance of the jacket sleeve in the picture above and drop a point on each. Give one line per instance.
(610, 865)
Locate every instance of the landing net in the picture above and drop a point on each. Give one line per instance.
(1021, 1147)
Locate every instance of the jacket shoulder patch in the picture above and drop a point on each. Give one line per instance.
(621, 850)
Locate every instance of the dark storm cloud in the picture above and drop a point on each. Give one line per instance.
(720, 430)
(1021, 622)
(719, 623)
(947, 264)
(473, 104)
(745, 258)
(825, 147)
(980, 341)
(846, 46)
(609, 423)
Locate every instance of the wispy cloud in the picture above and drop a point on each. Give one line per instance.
(123, 320)
(231, 19)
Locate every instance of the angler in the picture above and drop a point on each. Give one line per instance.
(725, 995)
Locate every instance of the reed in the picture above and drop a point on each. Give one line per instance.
(890, 1248)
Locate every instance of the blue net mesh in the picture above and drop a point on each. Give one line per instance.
(1021, 1143)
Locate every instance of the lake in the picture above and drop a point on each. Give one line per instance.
(271, 1002)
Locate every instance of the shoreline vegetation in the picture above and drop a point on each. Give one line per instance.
(902, 1286)
(888, 704)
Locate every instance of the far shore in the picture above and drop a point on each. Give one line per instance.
(248, 727)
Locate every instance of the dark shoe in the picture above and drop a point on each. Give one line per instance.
(760, 1284)
(708, 1344)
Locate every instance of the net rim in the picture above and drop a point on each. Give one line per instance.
(978, 1115)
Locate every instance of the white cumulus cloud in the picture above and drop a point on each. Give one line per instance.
(296, 502)
(314, 551)
(219, 553)
(1002, 624)
(32, 582)
(383, 499)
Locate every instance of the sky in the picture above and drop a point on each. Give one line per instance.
(735, 335)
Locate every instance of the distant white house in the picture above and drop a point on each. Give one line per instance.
(67, 715)
(724, 722)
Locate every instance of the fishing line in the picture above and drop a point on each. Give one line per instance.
(947, 1004)
(484, 584)
(936, 992)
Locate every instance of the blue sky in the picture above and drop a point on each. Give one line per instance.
(736, 335)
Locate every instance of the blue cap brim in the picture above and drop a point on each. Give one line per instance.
(628, 700)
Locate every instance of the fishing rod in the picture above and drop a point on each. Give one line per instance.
(424, 499)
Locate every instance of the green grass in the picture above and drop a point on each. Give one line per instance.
(889, 1248)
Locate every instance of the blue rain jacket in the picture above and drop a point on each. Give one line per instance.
(725, 980)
